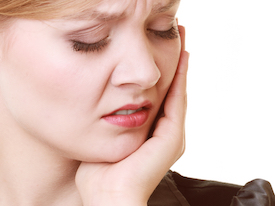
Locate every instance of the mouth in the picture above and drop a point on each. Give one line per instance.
(127, 112)
(131, 115)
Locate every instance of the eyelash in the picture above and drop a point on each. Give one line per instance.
(172, 33)
(78, 46)
(84, 47)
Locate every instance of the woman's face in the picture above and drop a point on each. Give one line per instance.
(73, 83)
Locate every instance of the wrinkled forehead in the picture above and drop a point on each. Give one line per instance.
(116, 8)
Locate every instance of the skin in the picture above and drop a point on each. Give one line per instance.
(52, 100)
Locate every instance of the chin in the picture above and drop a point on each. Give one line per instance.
(115, 152)
(107, 157)
(121, 154)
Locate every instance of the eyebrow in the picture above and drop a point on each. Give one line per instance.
(157, 8)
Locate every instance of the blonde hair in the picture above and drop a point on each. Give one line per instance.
(41, 9)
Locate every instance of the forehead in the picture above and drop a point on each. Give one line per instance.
(113, 8)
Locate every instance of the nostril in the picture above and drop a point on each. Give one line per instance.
(145, 76)
(137, 67)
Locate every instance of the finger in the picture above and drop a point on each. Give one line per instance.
(175, 106)
(182, 36)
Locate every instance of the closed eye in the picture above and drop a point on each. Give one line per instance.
(79, 46)
(172, 33)
(89, 47)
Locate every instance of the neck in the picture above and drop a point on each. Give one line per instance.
(32, 175)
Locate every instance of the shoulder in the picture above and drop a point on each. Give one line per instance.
(176, 190)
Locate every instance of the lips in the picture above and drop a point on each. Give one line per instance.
(127, 112)
(131, 115)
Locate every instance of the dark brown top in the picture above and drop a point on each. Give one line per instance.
(176, 190)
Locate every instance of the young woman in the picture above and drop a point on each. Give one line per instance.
(83, 81)
(92, 100)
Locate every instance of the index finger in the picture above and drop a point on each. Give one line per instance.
(176, 98)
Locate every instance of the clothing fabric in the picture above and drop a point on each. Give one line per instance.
(176, 190)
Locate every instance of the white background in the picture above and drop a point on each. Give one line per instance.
(230, 128)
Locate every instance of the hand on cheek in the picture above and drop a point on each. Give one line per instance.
(132, 180)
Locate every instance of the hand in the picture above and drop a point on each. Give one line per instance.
(132, 180)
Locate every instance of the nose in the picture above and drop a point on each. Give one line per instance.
(136, 65)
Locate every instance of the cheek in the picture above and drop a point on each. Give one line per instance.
(167, 59)
(47, 82)
(50, 73)
(52, 94)
(35, 74)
